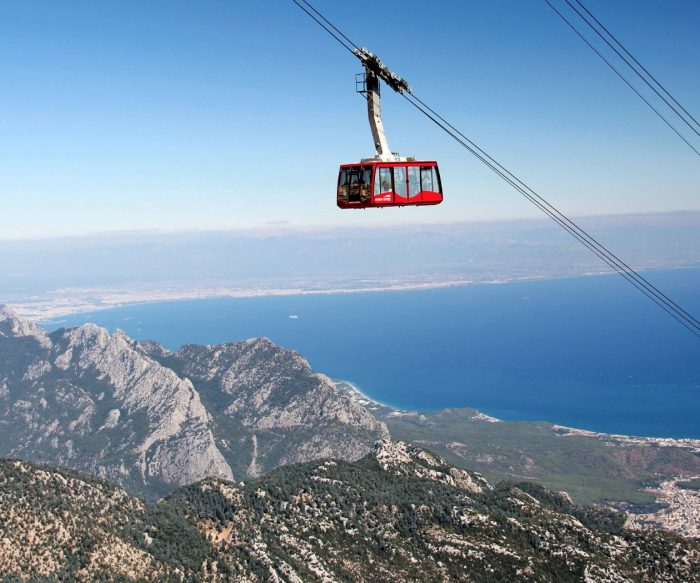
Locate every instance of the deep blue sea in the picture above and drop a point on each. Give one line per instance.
(588, 352)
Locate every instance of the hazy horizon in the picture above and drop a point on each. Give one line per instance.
(67, 274)
(284, 227)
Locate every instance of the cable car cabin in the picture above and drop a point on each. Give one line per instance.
(380, 184)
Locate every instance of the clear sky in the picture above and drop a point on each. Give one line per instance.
(125, 114)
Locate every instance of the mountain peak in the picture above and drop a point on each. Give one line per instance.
(13, 325)
(403, 459)
(6, 312)
(84, 386)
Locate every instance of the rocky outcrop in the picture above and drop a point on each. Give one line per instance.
(284, 412)
(11, 325)
(178, 446)
(403, 459)
(269, 388)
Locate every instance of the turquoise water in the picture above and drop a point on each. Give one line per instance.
(586, 352)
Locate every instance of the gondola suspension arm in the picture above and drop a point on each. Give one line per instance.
(375, 71)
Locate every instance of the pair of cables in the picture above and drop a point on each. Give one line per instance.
(634, 69)
(587, 240)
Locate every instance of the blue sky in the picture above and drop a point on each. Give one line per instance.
(122, 115)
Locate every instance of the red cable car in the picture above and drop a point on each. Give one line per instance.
(379, 184)
(387, 179)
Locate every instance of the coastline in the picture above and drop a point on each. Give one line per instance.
(355, 393)
(46, 306)
(72, 301)
(93, 300)
(366, 401)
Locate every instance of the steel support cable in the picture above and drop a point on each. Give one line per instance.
(642, 67)
(620, 265)
(333, 26)
(640, 283)
(328, 30)
(627, 62)
(660, 299)
(621, 76)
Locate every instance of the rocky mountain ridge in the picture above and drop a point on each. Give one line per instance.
(152, 420)
(285, 412)
(395, 515)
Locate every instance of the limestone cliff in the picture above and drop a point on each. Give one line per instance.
(152, 420)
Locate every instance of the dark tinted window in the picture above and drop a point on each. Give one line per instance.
(343, 184)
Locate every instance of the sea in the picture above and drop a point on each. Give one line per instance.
(587, 352)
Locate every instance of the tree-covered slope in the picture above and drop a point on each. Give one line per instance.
(399, 514)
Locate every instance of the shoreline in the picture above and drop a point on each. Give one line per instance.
(355, 393)
(44, 307)
(43, 312)
(74, 301)
(365, 400)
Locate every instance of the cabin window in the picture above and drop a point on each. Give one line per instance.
(343, 184)
(400, 180)
(350, 183)
(426, 178)
(413, 181)
(354, 183)
(382, 180)
(365, 182)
